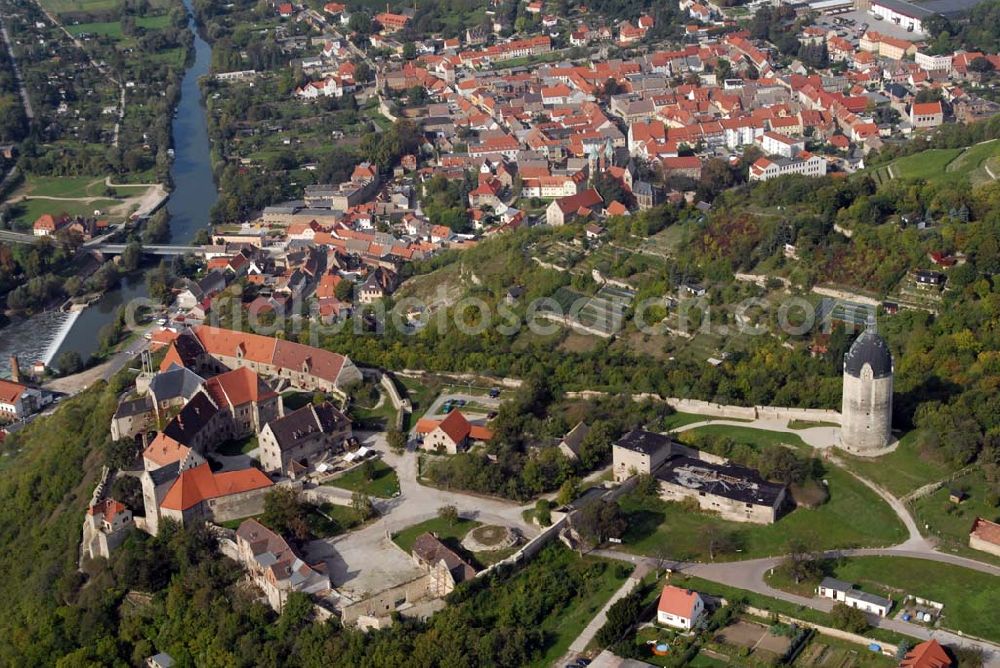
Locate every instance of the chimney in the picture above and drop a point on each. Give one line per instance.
(15, 369)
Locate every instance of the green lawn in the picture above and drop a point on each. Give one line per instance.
(969, 597)
(326, 521)
(452, 535)
(30, 210)
(949, 522)
(930, 164)
(443, 529)
(238, 447)
(758, 438)
(114, 28)
(854, 516)
(901, 471)
(970, 162)
(384, 483)
(676, 420)
(64, 186)
(293, 401)
(808, 424)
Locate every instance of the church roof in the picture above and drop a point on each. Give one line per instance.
(871, 349)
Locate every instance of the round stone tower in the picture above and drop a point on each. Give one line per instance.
(866, 411)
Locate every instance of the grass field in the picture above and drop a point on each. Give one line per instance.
(901, 471)
(969, 597)
(384, 483)
(114, 28)
(73, 186)
(69, 6)
(930, 164)
(950, 164)
(971, 163)
(949, 522)
(30, 210)
(854, 516)
(758, 438)
(444, 530)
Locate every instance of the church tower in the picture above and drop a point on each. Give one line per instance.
(866, 409)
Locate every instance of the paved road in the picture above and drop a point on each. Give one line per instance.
(25, 100)
(367, 560)
(749, 575)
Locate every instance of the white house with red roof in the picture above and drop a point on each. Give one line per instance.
(105, 527)
(926, 114)
(679, 608)
(451, 434)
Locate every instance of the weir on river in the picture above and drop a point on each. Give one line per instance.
(47, 335)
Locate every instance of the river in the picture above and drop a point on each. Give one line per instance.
(47, 335)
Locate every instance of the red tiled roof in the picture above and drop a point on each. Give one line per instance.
(199, 484)
(107, 507)
(927, 654)
(677, 601)
(165, 450)
(238, 387)
(10, 392)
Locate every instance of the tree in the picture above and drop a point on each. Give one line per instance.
(801, 563)
(543, 512)
(849, 619)
(449, 514)
(599, 521)
(360, 23)
(285, 514)
(362, 505)
(903, 648)
(409, 51)
(568, 491)
(396, 440)
(981, 65)
(69, 362)
(718, 541)
(344, 290)
(368, 470)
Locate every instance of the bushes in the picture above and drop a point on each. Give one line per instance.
(849, 619)
(622, 616)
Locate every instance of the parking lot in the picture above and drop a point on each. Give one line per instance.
(860, 17)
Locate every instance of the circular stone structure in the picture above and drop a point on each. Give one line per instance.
(866, 408)
(489, 538)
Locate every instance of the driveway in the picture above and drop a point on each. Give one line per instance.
(367, 560)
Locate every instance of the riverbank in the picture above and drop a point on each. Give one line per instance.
(48, 335)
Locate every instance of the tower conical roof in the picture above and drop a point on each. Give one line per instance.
(871, 349)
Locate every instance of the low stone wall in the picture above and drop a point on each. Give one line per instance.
(887, 648)
(726, 411)
(383, 603)
(510, 383)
